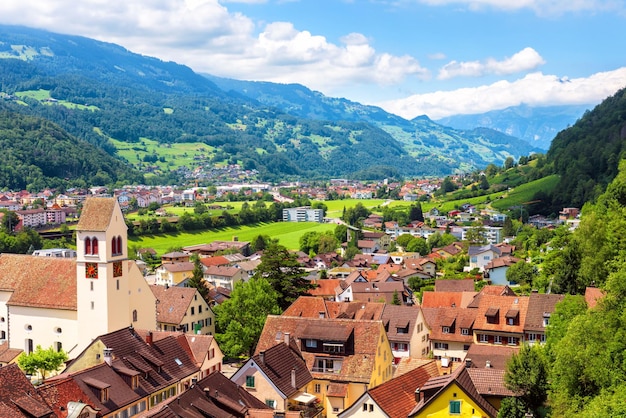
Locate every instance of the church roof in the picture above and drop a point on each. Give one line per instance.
(96, 214)
(40, 282)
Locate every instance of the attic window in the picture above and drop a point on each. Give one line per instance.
(177, 360)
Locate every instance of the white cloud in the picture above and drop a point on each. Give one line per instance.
(540, 7)
(525, 60)
(206, 36)
(535, 89)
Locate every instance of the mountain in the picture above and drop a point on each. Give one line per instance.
(536, 125)
(122, 102)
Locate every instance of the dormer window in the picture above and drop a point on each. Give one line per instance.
(104, 395)
(332, 347)
(492, 315)
(512, 317)
(446, 330)
(464, 331)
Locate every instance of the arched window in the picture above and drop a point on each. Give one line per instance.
(119, 245)
(87, 245)
(135, 315)
(94, 246)
(114, 246)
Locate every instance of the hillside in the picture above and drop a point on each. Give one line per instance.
(536, 125)
(106, 95)
(37, 154)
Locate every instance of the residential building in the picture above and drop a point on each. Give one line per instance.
(279, 377)
(303, 214)
(175, 257)
(215, 247)
(451, 333)
(481, 256)
(500, 320)
(395, 398)
(183, 309)
(225, 277)
(32, 218)
(344, 356)
(540, 307)
(496, 269)
(174, 273)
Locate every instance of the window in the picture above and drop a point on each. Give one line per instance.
(455, 407)
(400, 347)
(371, 407)
(311, 343)
(512, 341)
(364, 407)
(497, 339)
(3, 335)
(87, 245)
(104, 395)
(441, 346)
(464, 331)
(474, 259)
(91, 246)
(114, 246)
(249, 381)
(29, 346)
(93, 305)
(193, 310)
(326, 365)
(446, 330)
(532, 337)
(317, 388)
(466, 347)
(334, 348)
(91, 286)
(58, 346)
(484, 338)
(199, 309)
(135, 315)
(271, 403)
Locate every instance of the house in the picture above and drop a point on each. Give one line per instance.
(489, 384)
(213, 396)
(496, 269)
(592, 296)
(183, 309)
(32, 218)
(367, 246)
(480, 256)
(540, 307)
(66, 302)
(451, 333)
(225, 277)
(376, 292)
(432, 299)
(381, 239)
(279, 377)
(219, 247)
(450, 250)
(486, 356)
(395, 398)
(162, 368)
(500, 320)
(8, 355)
(344, 356)
(452, 395)
(174, 273)
(303, 214)
(18, 397)
(175, 257)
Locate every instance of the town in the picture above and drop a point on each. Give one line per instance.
(358, 342)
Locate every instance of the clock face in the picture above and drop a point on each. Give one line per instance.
(117, 269)
(91, 270)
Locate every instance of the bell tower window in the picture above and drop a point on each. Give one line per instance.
(91, 246)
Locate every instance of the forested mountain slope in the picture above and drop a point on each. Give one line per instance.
(103, 93)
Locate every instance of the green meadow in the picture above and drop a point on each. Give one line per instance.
(287, 233)
(44, 96)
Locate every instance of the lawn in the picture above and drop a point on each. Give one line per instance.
(335, 207)
(171, 156)
(287, 233)
(44, 97)
(524, 193)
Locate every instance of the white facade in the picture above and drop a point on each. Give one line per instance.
(303, 214)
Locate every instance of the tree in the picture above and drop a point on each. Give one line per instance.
(476, 235)
(521, 273)
(418, 245)
(396, 298)
(527, 375)
(415, 213)
(509, 163)
(42, 361)
(404, 240)
(240, 319)
(507, 227)
(197, 278)
(284, 273)
(512, 408)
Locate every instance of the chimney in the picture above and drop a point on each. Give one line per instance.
(468, 363)
(108, 355)
(293, 378)
(262, 357)
(286, 338)
(488, 364)
(419, 395)
(149, 338)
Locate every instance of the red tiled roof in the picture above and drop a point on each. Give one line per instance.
(540, 306)
(218, 260)
(497, 357)
(463, 285)
(325, 287)
(592, 295)
(397, 396)
(503, 304)
(97, 213)
(277, 364)
(18, 397)
(489, 382)
(173, 302)
(41, 282)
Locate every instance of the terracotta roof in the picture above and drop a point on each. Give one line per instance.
(358, 366)
(464, 285)
(373, 292)
(540, 306)
(222, 271)
(490, 382)
(18, 397)
(488, 304)
(406, 364)
(495, 290)
(497, 356)
(404, 317)
(218, 260)
(339, 390)
(432, 299)
(397, 396)
(7, 354)
(41, 282)
(456, 319)
(278, 363)
(97, 213)
(506, 261)
(175, 254)
(325, 287)
(178, 267)
(173, 302)
(59, 393)
(592, 295)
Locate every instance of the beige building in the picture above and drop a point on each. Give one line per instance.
(183, 309)
(173, 274)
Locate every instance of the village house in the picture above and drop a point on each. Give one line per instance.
(225, 277)
(344, 356)
(174, 273)
(183, 309)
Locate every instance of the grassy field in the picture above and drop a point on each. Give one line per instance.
(335, 207)
(174, 155)
(287, 233)
(44, 96)
(230, 207)
(524, 194)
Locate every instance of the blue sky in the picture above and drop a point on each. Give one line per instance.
(411, 57)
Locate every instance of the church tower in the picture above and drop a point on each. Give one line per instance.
(103, 295)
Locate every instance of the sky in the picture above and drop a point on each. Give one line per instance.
(410, 57)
